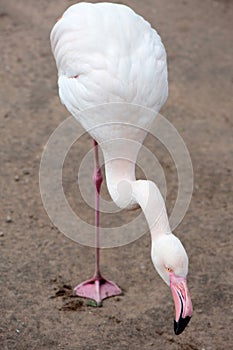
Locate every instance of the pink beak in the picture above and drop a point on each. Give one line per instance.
(183, 303)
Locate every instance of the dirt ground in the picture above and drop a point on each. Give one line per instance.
(40, 266)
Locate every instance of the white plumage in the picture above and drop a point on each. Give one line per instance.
(115, 53)
(112, 72)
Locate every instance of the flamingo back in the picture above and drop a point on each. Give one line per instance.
(107, 53)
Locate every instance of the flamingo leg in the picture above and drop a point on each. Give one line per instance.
(98, 287)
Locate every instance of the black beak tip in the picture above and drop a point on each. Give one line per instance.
(181, 324)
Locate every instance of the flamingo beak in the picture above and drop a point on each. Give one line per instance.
(183, 303)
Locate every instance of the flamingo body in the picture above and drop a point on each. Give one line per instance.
(114, 54)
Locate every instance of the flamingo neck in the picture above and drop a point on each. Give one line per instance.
(148, 196)
(127, 192)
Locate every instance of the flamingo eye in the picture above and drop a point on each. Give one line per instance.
(169, 269)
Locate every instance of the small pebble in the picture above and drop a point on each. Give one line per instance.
(8, 219)
(17, 331)
(16, 178)
(1, 234)
(142, 266)
(199, 311)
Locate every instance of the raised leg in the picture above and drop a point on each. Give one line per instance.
(98, 287)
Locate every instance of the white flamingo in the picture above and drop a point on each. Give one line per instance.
(108, 55)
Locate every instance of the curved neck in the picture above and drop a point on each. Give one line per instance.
(128, 192)
(148, 196)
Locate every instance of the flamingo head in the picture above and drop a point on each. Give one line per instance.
(171, 262)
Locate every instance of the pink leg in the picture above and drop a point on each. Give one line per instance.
(98, 287)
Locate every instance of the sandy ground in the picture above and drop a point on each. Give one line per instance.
(39, 265)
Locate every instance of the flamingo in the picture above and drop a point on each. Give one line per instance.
(109, 56)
